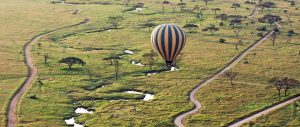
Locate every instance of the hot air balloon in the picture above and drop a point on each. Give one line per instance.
(168, 40)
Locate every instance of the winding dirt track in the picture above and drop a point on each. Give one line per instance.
(179, 119)
(32, 72)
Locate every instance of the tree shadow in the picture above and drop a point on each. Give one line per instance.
(72, 69)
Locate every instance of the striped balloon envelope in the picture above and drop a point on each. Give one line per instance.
(168, 40)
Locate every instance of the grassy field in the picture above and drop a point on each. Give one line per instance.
(288, 116)
(223, 103)
(21, 20)
(59, 90)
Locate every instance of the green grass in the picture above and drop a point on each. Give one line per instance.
(63, 90)
(287, 116)
(21, 20)
(170, 88)
(223, 103)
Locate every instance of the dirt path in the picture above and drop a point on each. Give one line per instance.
(32, 72)
(179, 119)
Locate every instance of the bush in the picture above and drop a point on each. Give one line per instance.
(221, 24)
(222, 40)
(34, 97)
(259, 34)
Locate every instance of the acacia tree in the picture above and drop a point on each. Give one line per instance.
(290, 34)
(215, 10)
(114, 20)
(190, 26)
(149, 25)
(111, 58)
(70, 61)
(235, 5)
(273, 38)
(117, 65)
(46, 56)
(276, 82)
(212, 29)
(284, 83)
(266, 5)
(223, 17)
(269, 18)
(231, 76)
(150, 57)
(237, 30)
(206, 1)
(235, 20)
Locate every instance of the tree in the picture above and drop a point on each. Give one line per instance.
(273, 38)
(285, 11)
(290, 34)
(114, 20)
(289, 83)
(261, 29)
(215, 10)
(206, 1)
(166, 2)
(149, 25)
(150, 58)
(275, 82)
(163, 8)
(267, 5)
(181, 5)
(39, 45)
(70, 61)
(292, 3)
(127, 2)
(235, 5)
(284, 83)
(235, 20)
(223, 17)
(269, 18)
(117, 65)
(212, 29)
(46, 56)
(111, 58)
(231, 76)
(190, 26)
(237, 30)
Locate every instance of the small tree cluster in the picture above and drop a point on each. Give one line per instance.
(269, 18)
(267, 5)
(212, 29)
(284, 83)
(191, 27)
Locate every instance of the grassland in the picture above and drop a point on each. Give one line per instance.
(62, 90)
(223, 103)
(21, 20)
(288, 116)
